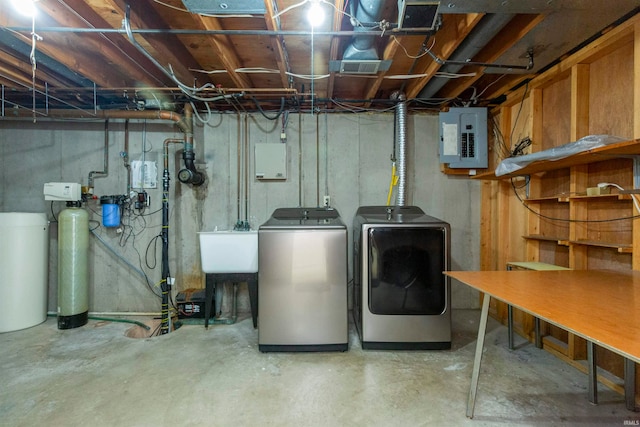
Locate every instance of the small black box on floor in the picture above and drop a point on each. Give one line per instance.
(190, 303)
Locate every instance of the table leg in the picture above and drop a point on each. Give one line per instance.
(253, 299)
(510, 326)
(477, 361)
(538, 333)
(210, 284)
(593, 373)
(630, 384)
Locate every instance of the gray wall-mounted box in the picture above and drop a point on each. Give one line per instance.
(463, 137)
(271, 161)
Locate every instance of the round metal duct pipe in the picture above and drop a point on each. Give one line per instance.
(401, 135)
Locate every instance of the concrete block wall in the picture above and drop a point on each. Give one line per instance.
(345, 156)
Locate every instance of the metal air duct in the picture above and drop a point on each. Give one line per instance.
(401, 135)
(362, 47)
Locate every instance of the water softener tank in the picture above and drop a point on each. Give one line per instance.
(73, 277)
(110, 211)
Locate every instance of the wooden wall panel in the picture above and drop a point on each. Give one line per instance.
(520, 122)
(556, 114)
(611, 100)
(595, 91)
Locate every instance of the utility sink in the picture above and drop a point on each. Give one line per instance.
(229, 251)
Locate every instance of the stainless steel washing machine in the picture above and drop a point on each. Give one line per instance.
(402, 301)
(302, 281)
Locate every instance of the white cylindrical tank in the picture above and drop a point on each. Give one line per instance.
(24, 267)
(73, 276)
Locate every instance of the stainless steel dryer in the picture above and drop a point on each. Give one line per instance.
(402, 301)
(302, 281)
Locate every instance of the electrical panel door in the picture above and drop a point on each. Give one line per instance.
(463, 137)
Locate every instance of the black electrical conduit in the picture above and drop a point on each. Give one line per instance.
(529, 66)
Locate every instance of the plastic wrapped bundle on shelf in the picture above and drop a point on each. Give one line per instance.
(513, 164)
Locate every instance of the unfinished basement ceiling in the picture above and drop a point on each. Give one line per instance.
(110, 54)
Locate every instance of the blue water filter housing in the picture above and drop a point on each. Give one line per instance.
(110, 211)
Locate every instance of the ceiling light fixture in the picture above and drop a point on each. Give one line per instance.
(25, 7)
(315, 14)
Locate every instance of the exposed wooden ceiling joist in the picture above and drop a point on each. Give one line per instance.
(86, 38)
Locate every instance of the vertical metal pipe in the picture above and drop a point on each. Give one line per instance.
(105, 166)
(246, 173)
(326, 155)
(630, 384)
(593, 373)
(317, 161)
(239, 151)
(164, 284)
(299, 159)
(401, 132)
(125, 155)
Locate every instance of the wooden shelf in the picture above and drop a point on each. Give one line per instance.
(623, 248)
(601, 197)
(558, 240)
(620, 149)
(557, 199)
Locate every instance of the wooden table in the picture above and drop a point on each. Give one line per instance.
(601, 306)
(528, 265)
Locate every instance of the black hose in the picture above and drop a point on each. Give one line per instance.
(277, 116)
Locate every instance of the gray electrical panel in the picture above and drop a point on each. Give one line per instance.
(463, 138)
(271, 161)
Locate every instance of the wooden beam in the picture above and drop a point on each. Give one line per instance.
(20, 70)
(277, 43)
(335, 44)
(636, 83)
(636, 134)
(602, 46)
(61, 48)
(579, 101)
(223, 47)
(517, 28)
(535, 100)
(116, 49)
(166, 49)
(454, 29)
(8, 71)
(389, 52)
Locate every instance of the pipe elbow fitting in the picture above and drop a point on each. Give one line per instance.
(193, 177)
(190, 175)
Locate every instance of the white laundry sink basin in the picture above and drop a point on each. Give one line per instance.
(229, 251)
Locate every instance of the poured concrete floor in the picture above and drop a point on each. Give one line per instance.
(96, 376)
